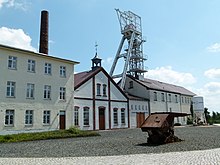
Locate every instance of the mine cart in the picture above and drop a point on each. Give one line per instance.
(160, 127)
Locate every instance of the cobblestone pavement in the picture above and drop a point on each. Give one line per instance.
(205, 157)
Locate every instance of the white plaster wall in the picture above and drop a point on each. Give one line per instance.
(133, 111)
(84, 103)
(21, 76)
(119, 105)
(137, 90)
(85, 90)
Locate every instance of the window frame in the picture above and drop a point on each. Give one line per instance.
(31, 66)
(131, 85)
(98, 89)
(63, 71)
(104, 90)
(162, 97)
(46, 117)
(30, 91)
(48, 68)
(76, 115)
(11, 89)
(9, 117)
(29, 117)
(123, 122)
(47, 92)
(115, 116)
(62, 93)
(12, 62)
(155, 96)
(86, 116)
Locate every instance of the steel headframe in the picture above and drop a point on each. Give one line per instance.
(131, 31)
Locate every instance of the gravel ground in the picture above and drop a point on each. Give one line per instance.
(114, 142)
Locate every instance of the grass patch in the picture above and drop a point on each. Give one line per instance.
(59, 134)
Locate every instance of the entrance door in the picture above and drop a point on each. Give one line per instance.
(102, 118)
(62, 120)
(140, 118)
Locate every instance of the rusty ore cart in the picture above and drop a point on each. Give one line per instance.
(160, 127)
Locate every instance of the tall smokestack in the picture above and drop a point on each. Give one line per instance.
(44, 32)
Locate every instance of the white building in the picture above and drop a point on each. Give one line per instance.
(36, 91)
(198, 110)
(160, 96)
(139, 110)
(99, 102)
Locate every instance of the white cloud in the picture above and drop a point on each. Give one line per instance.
(15, 38)
(17, 4)
(168, 75)
(214, 48)
(212, 73)
(211, 94)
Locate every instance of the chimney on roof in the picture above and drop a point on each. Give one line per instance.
(43, 48)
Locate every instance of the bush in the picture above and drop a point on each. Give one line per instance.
(74, 130)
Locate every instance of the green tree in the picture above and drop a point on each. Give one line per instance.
(207, 115)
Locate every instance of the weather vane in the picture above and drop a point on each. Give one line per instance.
(96, 47)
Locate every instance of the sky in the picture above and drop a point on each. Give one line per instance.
(182, 37)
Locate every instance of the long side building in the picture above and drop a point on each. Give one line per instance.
(161, 97)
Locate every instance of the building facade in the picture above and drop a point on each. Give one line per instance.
(36, 91)
(161, 97)
(99, 103)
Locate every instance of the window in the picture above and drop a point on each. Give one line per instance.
(162, 97)
(123, 116)
(155, 96)
(86, 116)
(9, 117)
(12, 62)
(135, 107)
(47, 92)
(182, 100)
(62, 93)
(47, 68)
(115, 116)
(31, 65)
(139, 107)
(104, 90)
(169, 97)
(131, 84)
(142, 107)
(131, 107)
(62, 71)
(98, 89)
(176, 98)
(29, 117)
(46, 117)
(10, 89)
(76, 116)
(30, 91)
(146, 107)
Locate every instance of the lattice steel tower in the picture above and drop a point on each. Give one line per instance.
(131, 31)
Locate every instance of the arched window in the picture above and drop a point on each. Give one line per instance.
(76, 116)
(115, 116)
(86, 116)
(123, 116)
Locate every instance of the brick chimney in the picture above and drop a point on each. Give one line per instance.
(43, 48)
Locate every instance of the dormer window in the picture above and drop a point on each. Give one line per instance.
(131, 84)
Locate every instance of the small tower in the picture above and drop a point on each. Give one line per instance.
(96, 61)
